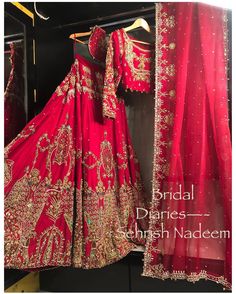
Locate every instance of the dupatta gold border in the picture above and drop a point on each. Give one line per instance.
(158, 270)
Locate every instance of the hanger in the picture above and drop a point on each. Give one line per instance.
(78, 35)
(140, 22)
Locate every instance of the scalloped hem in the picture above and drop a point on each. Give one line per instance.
(158, 271)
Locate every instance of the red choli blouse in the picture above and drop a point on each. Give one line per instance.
(128, 63)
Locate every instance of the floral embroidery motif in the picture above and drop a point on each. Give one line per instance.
(54, 209)
(169, 21)
(170, 70)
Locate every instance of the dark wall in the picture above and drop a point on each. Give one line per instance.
(54, 57)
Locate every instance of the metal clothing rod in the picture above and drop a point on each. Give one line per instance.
(14, 36)
(110, 24)
(107, 18)
(13, 41)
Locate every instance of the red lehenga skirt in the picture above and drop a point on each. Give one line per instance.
(72, 181)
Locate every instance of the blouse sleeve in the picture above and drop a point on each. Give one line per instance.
(112, 77)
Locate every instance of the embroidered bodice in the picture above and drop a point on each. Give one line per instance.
(128, 63)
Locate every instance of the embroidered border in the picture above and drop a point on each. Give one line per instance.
(158, 271)
(163, 23)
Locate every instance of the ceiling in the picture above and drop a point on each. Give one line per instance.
(61, 13)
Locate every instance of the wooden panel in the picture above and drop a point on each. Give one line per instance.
(29, 283)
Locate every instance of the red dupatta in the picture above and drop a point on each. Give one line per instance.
(192, 161)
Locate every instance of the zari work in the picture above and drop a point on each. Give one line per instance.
(192, 147)
(128, 63)
(72, 181)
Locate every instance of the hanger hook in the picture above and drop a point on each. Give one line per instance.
(40, 15)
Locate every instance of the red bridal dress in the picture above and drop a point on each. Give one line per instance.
(14, 113)
(192, 147)
(129, 64)
(72, 181)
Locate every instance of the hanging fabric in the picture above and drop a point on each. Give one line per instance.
(190, 217)
(72, 180)
(14, 113)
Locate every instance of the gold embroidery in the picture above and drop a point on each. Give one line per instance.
(172, 46)
(25, 133)
(158, 271)
(169, 21)
(8, 165)
(162, 122)
(100, 213)
(63, 145)
(142, 61)
(85, 84)
(106, 157)
(90, 160)
(54, 209)
(37, 194)
(58, 91)
(169, 118)
(170, 70)
(172, 93)
(140, 73)
(50, 247)
(166, 169)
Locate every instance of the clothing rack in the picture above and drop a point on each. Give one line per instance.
(94, 21)
(14, 38)
(13, 41)
(110, 24)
